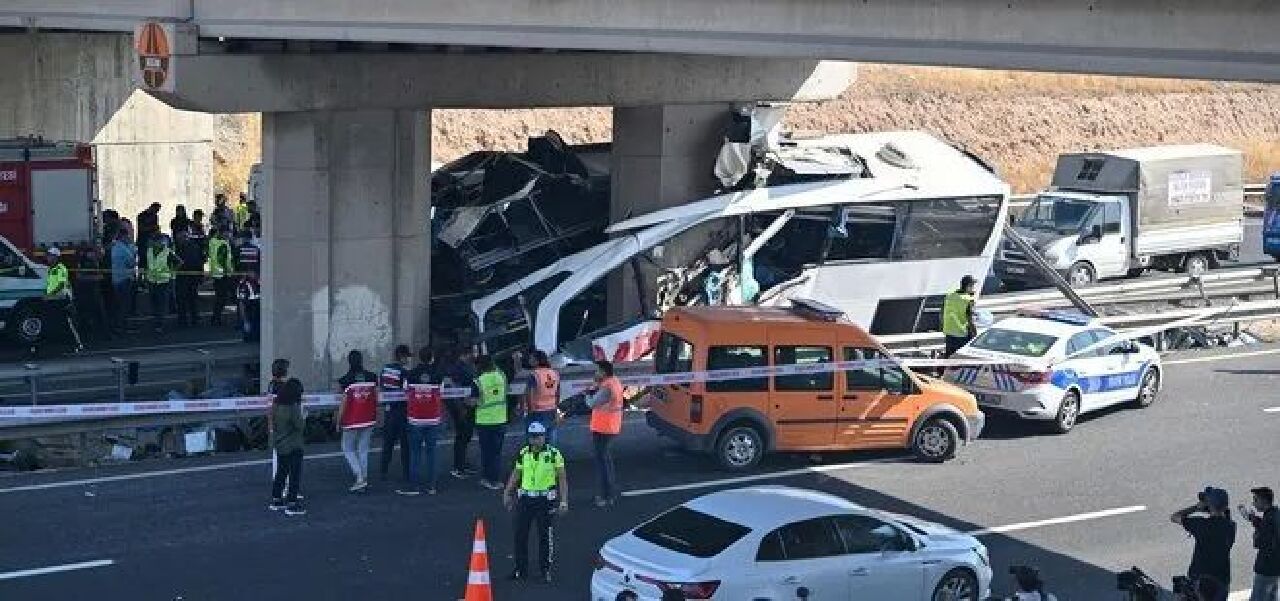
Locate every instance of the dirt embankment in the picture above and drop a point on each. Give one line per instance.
(1018, 121)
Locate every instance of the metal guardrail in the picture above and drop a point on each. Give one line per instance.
(1237, 313)
(1021, 201)
(1244, 281)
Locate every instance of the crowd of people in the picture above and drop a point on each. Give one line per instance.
(532, 482)
(139, 260)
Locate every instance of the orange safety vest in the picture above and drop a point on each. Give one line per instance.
(359, 406)
(424, 404)
(546, 393)
(607, 418)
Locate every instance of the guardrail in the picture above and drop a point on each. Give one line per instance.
(1021, 201)
(1234, 314)
(1244, 281)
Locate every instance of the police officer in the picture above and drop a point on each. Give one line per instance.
(159, 275)
(220, 270)
(57, 293)
(490, 388)
(957, 316)
(543, 491)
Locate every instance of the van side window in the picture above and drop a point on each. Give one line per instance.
(888, 378)
(10, 264)
(737, 357)
(802, 355)
(674, 354)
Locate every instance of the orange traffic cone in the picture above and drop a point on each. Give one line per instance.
(478, 588)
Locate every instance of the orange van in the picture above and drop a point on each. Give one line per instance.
(739, 420)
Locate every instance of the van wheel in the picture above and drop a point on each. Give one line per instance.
(28, 323)
(1081, 274)
(936, 441)
(1149, 389)
(1068, 413)
(1196, 265)
(740, 448)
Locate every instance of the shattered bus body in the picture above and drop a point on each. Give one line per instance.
(498, 215)
(880, 225)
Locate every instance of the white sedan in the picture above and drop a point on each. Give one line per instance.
(780, 543)
(1061, 365)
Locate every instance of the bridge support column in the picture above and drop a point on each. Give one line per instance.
(662, 156)
(346, 260)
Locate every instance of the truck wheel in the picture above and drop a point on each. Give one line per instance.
(1196, 264)
(936, 441)
(28, 323)
(740, 448)
(1133, 273)
(1081, 275)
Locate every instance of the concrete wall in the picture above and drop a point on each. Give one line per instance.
(74, 86)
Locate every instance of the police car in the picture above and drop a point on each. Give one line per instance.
(1048, 377)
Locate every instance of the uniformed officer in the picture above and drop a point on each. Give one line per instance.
(57, 293)
(957, 316)
(543, 492)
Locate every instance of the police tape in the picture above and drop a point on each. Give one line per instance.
(571, 387)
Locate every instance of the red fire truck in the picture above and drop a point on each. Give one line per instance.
(48, 194)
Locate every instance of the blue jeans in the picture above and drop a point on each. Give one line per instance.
(546, 418)
(422, 455)
(605, 475)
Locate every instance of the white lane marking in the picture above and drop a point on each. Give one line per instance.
(211, 468)
(1080, 517)
(817, 469)
(1272, 351)
(1272, 410)
(84, 565)
(1240, 596)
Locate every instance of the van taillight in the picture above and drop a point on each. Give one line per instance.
(695, 409)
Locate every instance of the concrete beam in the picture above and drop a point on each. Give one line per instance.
(303, 82)
(92, 15)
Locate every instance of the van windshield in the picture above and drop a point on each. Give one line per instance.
(691, 532)
(1056, 214)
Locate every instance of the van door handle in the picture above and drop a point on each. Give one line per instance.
(791, 580)
(826, 397)
(849, 397)
(858, 572)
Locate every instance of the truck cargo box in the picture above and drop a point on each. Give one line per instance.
(1173, 187)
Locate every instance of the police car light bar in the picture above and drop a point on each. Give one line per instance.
(815, 310)
(1059, 315)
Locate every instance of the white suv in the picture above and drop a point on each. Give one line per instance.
(782, 543)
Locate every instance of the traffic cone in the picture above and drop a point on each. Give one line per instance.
(478, 588)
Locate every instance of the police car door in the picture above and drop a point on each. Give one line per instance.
(1088, 371)
(1125, 367)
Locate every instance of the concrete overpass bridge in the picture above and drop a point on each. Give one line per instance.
(346, 90)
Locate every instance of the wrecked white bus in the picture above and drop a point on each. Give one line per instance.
(880, 225)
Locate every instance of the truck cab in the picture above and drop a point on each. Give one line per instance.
(1082, 235)
(21, 294)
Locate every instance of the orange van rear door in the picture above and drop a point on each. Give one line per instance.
(803, 406)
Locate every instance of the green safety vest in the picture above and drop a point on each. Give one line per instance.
(219, 248)
(241, 215)
(492, 409)
(538, 470)
(56, 282)
(158, 269)
(955, 314)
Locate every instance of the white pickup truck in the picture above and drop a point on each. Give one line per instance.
(1116, 214)
(21, 294)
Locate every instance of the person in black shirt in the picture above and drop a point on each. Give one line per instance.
(460, 371)
(426, 370)
(180, 222)
(192, 257)
(1214, 535)
(1266, 539)
(395, 420)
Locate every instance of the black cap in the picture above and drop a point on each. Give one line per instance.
(967, 280)
(1265, 492)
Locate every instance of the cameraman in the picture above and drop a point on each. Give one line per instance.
(1214, 535)
(1030, 586)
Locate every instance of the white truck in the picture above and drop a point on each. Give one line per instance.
(1116, 214)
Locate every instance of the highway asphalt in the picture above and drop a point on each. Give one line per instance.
(1079, 506)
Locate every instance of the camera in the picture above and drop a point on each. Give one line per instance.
(1182, 586)
(1139, 586)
